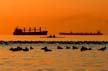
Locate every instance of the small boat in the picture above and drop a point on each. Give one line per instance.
(67, 47)
(74, 47)
(85, 48)
(31, 48)
(15, 49)
(59, 47)
(25, 49)
(52, 36)
(46, 49)
(102, 49)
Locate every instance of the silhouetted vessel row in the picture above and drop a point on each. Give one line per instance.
(72, 33)
(34, 31)
(31, 31)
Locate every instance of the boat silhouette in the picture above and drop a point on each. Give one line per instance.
(52, 36)
(80, 33)
(31, 31)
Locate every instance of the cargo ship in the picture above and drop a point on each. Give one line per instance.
(72, 33)
(30, 31)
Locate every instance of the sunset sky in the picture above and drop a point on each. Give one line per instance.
(54, 15)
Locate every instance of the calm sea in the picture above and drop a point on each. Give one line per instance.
(56, 60)
(59, 38)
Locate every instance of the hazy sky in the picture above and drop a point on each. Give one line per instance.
(54, 15)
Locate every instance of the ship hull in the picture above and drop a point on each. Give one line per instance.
(31, 33)
(81, 34)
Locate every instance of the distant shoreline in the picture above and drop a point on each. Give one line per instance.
(53, 42)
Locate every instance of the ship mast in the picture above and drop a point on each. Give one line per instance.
(24, 29)
(34, 29)
(40, 29)
(29, 29)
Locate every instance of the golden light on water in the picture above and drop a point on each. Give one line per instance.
(55, 16)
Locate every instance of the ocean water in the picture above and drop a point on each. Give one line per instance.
(56, 60)
(59, 38)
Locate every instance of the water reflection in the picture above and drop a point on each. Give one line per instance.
(57, 60)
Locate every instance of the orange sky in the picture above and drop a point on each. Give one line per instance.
(54, 15)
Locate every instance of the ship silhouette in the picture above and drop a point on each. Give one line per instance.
(31, 31)
(72, 33)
